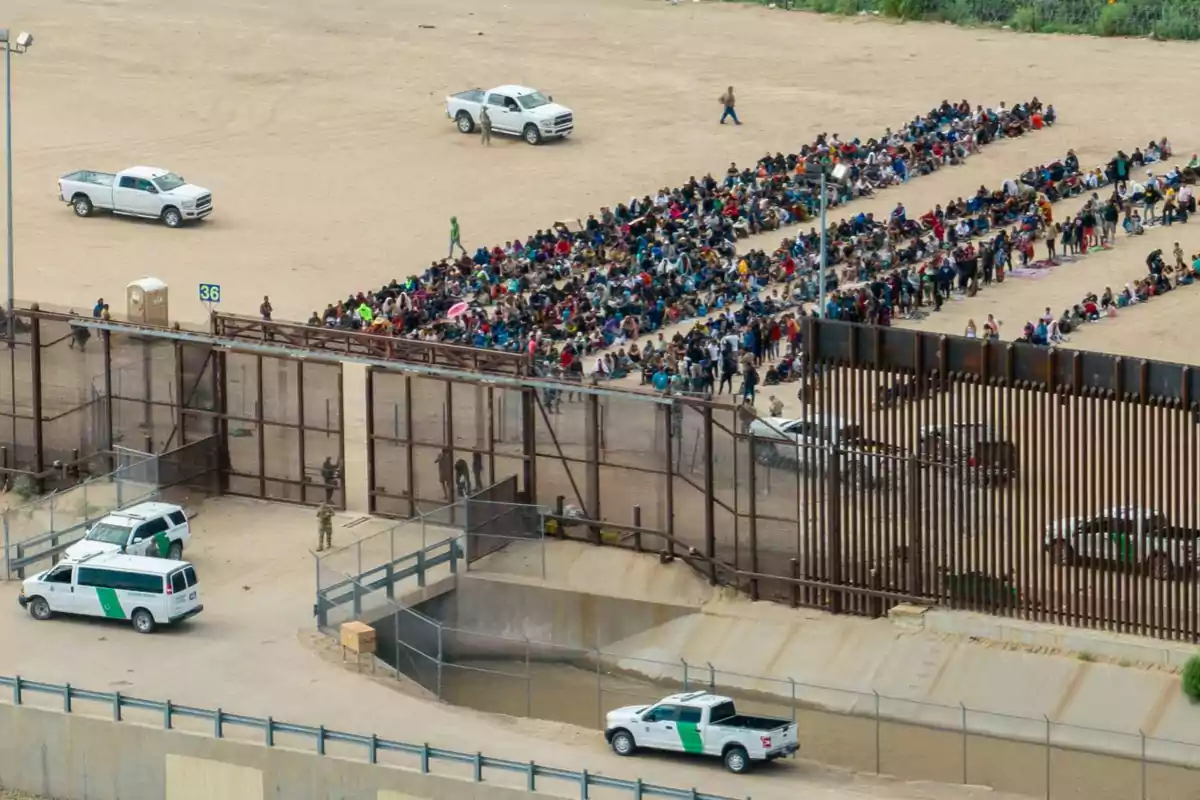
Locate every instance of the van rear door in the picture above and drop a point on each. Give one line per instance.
(184, 594)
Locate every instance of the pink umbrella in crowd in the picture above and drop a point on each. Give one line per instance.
(457, 310)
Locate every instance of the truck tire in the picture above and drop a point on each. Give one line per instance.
(464, 122)
(532, 135)
(171, 217)
(623, 743)
(82, 205)
(175, 552)
(737, 760)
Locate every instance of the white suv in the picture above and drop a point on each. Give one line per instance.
(147, 529)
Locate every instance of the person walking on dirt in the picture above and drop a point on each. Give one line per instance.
(324, 527)
(727, 102)
(485, 127)
(455, 237)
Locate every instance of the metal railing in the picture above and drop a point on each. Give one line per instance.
(371, 744)
(44, 527)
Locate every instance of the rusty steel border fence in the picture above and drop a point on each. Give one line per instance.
(997, 477)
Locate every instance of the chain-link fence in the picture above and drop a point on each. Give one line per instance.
(1163, 19)
(40, 529)
(866, 732)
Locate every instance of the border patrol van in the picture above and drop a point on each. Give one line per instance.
(146, 591)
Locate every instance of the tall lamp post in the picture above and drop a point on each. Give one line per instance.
(18, 45)
(838, 173)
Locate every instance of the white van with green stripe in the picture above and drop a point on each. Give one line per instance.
(703, 724)
(146, 591)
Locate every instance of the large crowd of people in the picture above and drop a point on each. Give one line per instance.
(567, 293)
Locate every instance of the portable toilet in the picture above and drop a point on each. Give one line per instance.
(146, 300)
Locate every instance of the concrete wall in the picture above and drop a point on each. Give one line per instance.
(519, 610)
(80, 758)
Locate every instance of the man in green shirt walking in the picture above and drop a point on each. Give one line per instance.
(455, 237)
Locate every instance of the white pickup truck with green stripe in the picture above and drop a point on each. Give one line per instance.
(703, 724)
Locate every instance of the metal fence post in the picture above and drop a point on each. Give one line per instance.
(7, 569)
(67, 709)
(528, 682)
(270, 736)
(599, 693)
(792, 681)
(439, 663)
(685, 674)
(116, 706)
(964, 741)
(1142, 734)
(358, 549)
(373, 750)
(877, 748)
(477, 768)
(167, 716)
(712, 677)
(637, 789)
(17, 690)
(583, 785)
(531, 778)
(218, 731)
(420, 567)
(1047, 755)
(396, 625)
(425, 758)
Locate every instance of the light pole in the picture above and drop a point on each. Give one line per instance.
(838, 173)
(22, 43)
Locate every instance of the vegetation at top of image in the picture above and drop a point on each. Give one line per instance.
(1160, 19)
(1190, 680)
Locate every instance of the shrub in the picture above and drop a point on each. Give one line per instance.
(1025, 19)
(1116, 20)
(25, 488)
(1190, 680)
(847, 8)
(906, 9)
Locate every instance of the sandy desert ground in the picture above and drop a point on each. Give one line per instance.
(320, 128)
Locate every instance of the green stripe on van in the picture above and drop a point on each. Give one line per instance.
(689, 737)
(110, 604)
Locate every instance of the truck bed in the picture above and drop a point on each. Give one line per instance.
(91, 176)
(472, 95)
(753, 723)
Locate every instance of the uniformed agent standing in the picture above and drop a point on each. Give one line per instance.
(329, 476)
(485, 126)
(324, 527)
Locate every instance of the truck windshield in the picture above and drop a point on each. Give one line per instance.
(108, 533)
(532, 100)
(166, 183)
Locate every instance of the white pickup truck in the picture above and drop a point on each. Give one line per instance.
(517, 110)
(147, 192)
(703, 724)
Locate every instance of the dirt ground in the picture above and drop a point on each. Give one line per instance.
(245, 656)
(320, 129)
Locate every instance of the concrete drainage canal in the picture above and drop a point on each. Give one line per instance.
(530, 651)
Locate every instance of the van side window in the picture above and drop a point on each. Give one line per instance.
(190, 574)
(114, 579)
(178, 582)
(61, 574)
(178, 518)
